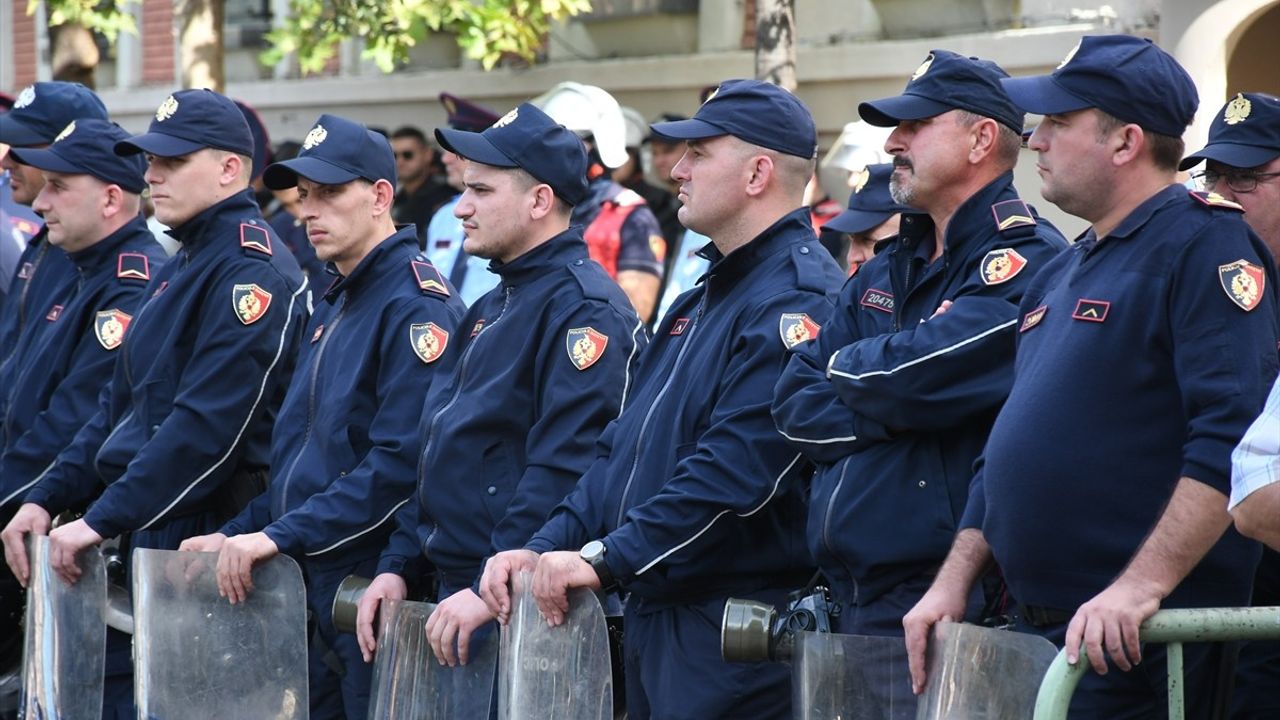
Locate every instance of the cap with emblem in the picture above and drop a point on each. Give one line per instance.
(529, 139)
(191, 120)
(870, 204)
(947, 81)
(1245, 134)
(753, 111)
(466, 115)
(42, 110)
(86, 147)
(336, 151)
(1126, 77)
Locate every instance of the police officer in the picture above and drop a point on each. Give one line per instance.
(894, 401)
(92, 208)
(344, 446)
(1152, 338)
(696, 497)
(180, 436)
(544, 361)
(872, 217)
(18, 224)
(445, 237)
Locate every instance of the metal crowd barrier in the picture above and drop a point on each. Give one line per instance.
(1172, 627)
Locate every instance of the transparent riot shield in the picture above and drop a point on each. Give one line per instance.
(850, 677)
(66, 638)
(977, 673)
(409, 683)
(554, 673)
(198, 657)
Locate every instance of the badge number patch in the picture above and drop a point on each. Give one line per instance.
(1033, 318)
(1243, 282)
(877, 300)
(250, 302)
(1002, 266)
(585, 346)
(109, 326)
(796, 328)
(429, 341)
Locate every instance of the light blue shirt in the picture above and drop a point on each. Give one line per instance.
(1255, 463)
(444, 242)
(685, 271)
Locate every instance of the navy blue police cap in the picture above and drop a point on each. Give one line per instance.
(870, 204)
(466, 115)
(87, 147)
(191, 120)
(947, 81)
(42, 110)
(336, 151)
(527, 138)
(1126, 77)
(753, 111)
(1245, 134)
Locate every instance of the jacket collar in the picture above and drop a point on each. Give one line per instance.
(104, 250)
(374, 266)
(559, 251)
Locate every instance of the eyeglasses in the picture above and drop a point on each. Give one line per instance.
(406, 154)
(1241, 181)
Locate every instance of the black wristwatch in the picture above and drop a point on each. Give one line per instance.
(593, 553)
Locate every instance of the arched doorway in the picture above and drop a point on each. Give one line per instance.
(1251, 65)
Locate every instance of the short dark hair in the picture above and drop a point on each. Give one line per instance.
(409, 131)
(1166, 150)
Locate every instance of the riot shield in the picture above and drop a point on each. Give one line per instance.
(554, 673)
(850, 677)
(409, 683)
(198, 657)
(977, 673)
(66, 638)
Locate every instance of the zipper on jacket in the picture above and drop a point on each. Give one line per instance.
(826, 528)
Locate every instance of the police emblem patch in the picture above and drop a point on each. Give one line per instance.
(585, 346)
(796, 328)
(429, 278)
(924, 68)
(315, 137)
(66, 131)
(255, 238)
(109, 326)
(658, 246)
(1033, 318)
(25, 98)
(315, 336)
(678, 327)
(1002, 266)
(250, 302)
(55, 312)
(1237, 110)
(507, 119)
(429, 341)
(1243, 282)
(877, 300)
(1091, 310)
(167, 109)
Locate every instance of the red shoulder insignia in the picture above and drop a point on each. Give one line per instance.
(1001, 266)
(1213, 199)
(585, 346)
(250, 302)
(109, 326)
(255, 238)
(796, 328)
(429, 278)
(133, 266)
(428, 340)
(1243, 282)
(1012, 214)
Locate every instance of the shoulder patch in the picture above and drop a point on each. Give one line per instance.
(250, 302)
(429, 341)
(1002, 265)
(1033, 318)
(255, 237)
(1213, 199)
(1243, 282)
(429, 278)
(1011, 214)
(796, 328)
(133, 266)
(109, 326)
(585, 346)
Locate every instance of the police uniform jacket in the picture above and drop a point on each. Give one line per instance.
(543, 362)
(197, 383)
(72, 352)
(894, 405)
(43, 273)
(695, 493)
(1142, 358)
(345, 443)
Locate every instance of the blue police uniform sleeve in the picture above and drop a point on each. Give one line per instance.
(806, 408)
(639, 234)
(580, 517)
(75, 400)
(975, 510)
(739, 463)
(384, 480)
(255, 516)
(1224, 356)
(948, 368)
(233, 372)
(73, 480)
(574, 407)
(403, 553)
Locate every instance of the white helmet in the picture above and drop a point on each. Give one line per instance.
(586, 109)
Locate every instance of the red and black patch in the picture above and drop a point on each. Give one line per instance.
(796, 328)
(255, 238)
(877, 300)
(678, 327)
(1243, 282)
(133, 266)
(55, 312)
(1033, 318)
(109, 327)
(475, 329)
(429, 278)
(1091, 310)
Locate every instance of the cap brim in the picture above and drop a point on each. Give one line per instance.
(14, 133)
(691, 129)
(158, 144)
(282, 175)
(1041, 95)
(891, 111)
(474, 147)
(856, 221)
(46, 160)
(1232, 154)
